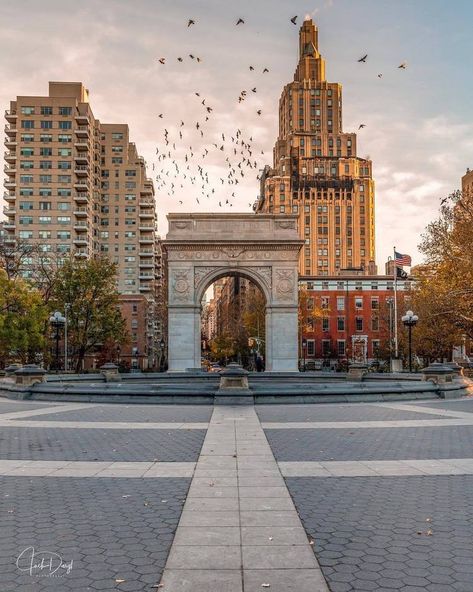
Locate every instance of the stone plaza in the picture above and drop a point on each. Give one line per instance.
(296, 498)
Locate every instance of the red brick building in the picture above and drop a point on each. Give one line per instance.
(357, 311)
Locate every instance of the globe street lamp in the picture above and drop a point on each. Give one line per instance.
(304, 345)
(162, 345)
(410, 320)
(57, 320)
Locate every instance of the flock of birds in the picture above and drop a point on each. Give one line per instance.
(185, 151)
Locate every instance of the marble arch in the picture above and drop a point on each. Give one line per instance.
(264, 248)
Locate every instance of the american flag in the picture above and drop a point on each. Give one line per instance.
(401, 259)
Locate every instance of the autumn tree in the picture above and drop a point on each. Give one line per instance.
(446, 288)
(88, 287)
(23, 316)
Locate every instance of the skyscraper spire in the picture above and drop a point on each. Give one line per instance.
(311, 65)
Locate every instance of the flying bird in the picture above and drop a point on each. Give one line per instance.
(259, 111)
(190, 22)
(403, 66)
(380, 75)
(265, 70)
(160, 115)
(251, 68)
(179, 59)
(240, 21)
(363, 59)
(191, 56)
(293, 20)
(361, 126)
(162, 61)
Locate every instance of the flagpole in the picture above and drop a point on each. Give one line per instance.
(396, 348)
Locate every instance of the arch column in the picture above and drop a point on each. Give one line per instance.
(282, 338)
(184, 337)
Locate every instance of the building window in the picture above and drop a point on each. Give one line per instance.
(359, 323)
(65, 125)
(359, 303)
(340, 323)
(374, 323)
(325, 324)
(46, 110)
(375, 344)
(374, 303)
(46, 124)
(65, 110)
(45, 138)
(311, 347)
(341, 350)
(340, 303)
(326, 348)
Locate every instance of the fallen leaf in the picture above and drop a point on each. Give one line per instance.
(429, 533)
(119, 581)
(429, 520)
(311, 541)
(164, 501)
(266, 585)
(270, 538)
(419, 532)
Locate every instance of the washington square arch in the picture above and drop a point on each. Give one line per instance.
(201, 248)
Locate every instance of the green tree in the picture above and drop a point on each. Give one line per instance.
(23, 316)
(94, 317)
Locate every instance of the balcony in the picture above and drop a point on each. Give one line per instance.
(81, 144)
(81, 227)
(146, 227)
(10, 170)
(81, 185)
(145, 288)
(82, 131)
(83, 253)
(81, 170)
(9, 196)
(146, 191)
(80, 212)
(81, 157)
(10, 156)
(81, 241)
(82, 119)
(146, 264)
(10, 130)
(146, 240)
(146, 253)
(8, 184)
(81, 197)
(9, 211)
(148, 215)
(7, 225)
(11, 115)
(146, 276)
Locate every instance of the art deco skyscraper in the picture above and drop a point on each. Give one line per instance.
(316, 172)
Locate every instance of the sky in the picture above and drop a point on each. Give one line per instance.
(419, 130)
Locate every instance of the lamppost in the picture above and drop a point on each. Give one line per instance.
(57, 320)
(162, 345)
(304, 345)
(410, 320)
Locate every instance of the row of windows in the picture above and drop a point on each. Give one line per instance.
(338, 349)
(359, 322)
(45, 164)
(45, 124)
(45, 179)
(46, 138)
(46, 152)
(46, 110)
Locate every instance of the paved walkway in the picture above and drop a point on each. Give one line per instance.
(294, 498)
(239, 529)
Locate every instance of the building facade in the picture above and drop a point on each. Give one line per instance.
(467, 183)
(353, 311)
(77, 187)
(316, 172)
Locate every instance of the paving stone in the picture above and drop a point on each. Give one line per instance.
(102, 445)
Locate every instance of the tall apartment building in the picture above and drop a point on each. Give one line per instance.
(467, 183)
(76, 186)
(316, 172)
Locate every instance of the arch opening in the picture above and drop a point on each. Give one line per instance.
(233, 319)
